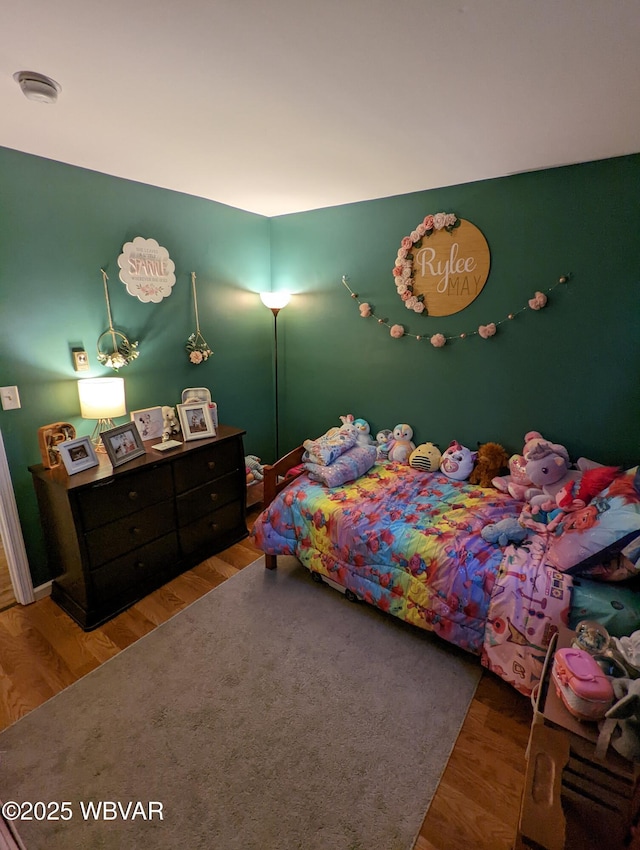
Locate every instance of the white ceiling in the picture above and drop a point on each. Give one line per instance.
(278, 106)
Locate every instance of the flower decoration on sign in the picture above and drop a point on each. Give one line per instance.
(122, 351)
(403, 268)
(197, 346)
(439, 340)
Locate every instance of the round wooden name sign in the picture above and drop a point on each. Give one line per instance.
(442, 266)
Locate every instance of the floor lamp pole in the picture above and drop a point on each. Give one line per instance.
(275, 311)
(275, 301)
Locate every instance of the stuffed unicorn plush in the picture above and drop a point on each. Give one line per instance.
(457, 461)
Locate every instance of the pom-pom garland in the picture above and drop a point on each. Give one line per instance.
(438, 340)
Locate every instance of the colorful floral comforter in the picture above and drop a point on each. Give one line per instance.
(410, 543)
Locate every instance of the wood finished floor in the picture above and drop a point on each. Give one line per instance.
(42, 652)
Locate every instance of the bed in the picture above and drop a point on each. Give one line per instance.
(410, 543)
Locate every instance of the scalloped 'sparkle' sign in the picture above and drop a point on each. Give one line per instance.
(146, 269)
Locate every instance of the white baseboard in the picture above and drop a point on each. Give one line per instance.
(42, 590)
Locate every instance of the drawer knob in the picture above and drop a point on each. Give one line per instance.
(135, 530)
(213, 497)
(211, 464)
(133, 495)
(140, 565)
(213, 526)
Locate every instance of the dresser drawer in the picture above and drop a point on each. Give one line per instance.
(211, 462)
(206, 533)
(109, 541)
(139, 568)
(109, 500)
(208, 497)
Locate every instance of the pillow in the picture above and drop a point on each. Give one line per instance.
(349, 466)
(329, 446)
(616, 608)
(607, 526)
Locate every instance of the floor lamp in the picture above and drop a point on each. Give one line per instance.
(275, 301)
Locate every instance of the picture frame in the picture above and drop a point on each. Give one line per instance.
(78, 454)
(49, 438)
(149, 422)
(123, 443)
(196, 420)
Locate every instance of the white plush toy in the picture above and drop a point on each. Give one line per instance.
(170, 423)
(364, 433)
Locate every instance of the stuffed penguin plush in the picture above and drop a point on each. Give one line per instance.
(401, 445)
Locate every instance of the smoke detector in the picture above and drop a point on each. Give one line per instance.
(37, 87)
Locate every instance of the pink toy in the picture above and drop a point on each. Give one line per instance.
(517, 482)
(401, 445)
(457, 461)
(581, 684)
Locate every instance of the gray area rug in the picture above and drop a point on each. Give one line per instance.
(272, 714)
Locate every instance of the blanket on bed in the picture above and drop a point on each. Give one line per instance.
(409, 542)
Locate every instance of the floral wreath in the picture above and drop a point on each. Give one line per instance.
(403, 268)
(122, 351)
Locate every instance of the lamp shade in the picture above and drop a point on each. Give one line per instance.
(275, 300)
(101, 398)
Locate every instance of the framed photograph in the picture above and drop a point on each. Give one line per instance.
(148, 422)
(196, 421)
(77, 454)
(123, 443)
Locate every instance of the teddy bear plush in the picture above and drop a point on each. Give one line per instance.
(491, 461)
(170, 424)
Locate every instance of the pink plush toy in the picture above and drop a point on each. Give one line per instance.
(548, 470)
(518, 482)
(457, 461)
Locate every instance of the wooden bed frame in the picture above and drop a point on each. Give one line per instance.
(275, 480)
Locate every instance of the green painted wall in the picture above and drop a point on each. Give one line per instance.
(569, 370)
(60, 225)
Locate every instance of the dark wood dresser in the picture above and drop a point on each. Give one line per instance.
(114, 535)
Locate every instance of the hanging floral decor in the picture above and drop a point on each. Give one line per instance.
(197, 346)
(442, 266)
(403, 267)
(122, 351)
(438, 340)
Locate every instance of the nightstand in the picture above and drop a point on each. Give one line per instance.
(572, 800)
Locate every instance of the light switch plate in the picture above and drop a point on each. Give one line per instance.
(10, 398)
